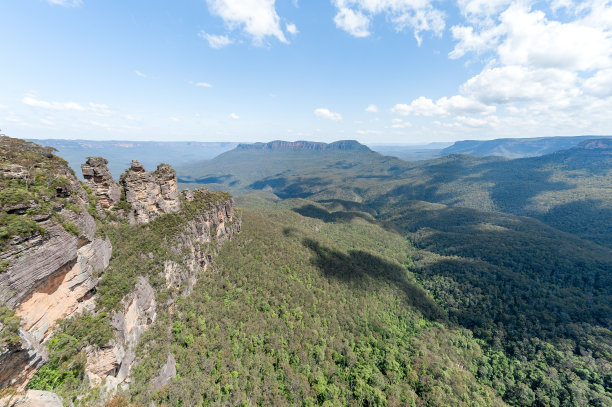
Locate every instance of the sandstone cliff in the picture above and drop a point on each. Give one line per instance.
(50, 252)
(52, 256)
(101, 182)
(150, 194)
(207, 224)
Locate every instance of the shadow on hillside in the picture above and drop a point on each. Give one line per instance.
(517, 182)
(217, 179)
(360, 268)
(347, 205)
(312, 211)
(589, 219)
(418, 192)
(292, 188)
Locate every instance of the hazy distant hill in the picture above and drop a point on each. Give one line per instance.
(239, 168)
(411, 152)
(121, 153)
(570, 190)
(515, 147)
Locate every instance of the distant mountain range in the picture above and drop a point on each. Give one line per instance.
(120, 153)
(515, 147)
(305, 145)
(180, 153)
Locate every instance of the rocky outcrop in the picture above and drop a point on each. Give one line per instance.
(114, 363)
(20, 362)
(210, 224)
(33, 398)
(49, 274)
(167, 372)
(150, 194)
(201, 239)
(50, 264)
(101, 182)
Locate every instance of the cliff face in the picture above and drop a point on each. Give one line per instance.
(198, 242)
(51, 256)
(150, 194)
(101, 182)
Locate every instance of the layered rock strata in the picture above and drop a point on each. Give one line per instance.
(199, 240)
(101, 182)
(150, 194)
(49, 274)
(50, 270)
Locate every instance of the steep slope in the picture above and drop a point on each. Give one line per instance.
(50, 253)
(297, 311)
(539, 299)
(71, 316)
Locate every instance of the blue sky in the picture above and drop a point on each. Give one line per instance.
(380, 71)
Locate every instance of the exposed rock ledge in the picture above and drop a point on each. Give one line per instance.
(199, 240)
(49, 276)
(53, 273)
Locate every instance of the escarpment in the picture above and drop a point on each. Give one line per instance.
(55, 256)
(205, 221)
(50, 255)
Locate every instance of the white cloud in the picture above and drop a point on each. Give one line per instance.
(327, 114)
(257, 18)
(460, 104)
(355, 16)
(203, 85)
(291, 29)
(529, 38)
(400, 124)
(599, 84)
(547, 68)
(32, 100)
(476, 122)
(99, 109)
(372, 109)
(482, 8)
(215, 41)
(511, 84)
(174, 119)
(234, 116)
(420, 107)
(444, 106)
(138, 73)
(65, 3)
(353, 22)
(532, 40)
(368, 132)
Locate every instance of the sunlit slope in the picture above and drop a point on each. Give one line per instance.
(299, 311)
(570, 190)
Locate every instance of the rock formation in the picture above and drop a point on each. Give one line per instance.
(199, 241)
(101, 182)
(33, 398)
(114, 363)
(50, 265)
(51, 268)
(150, 194)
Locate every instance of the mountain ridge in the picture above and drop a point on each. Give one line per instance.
(304, 145)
